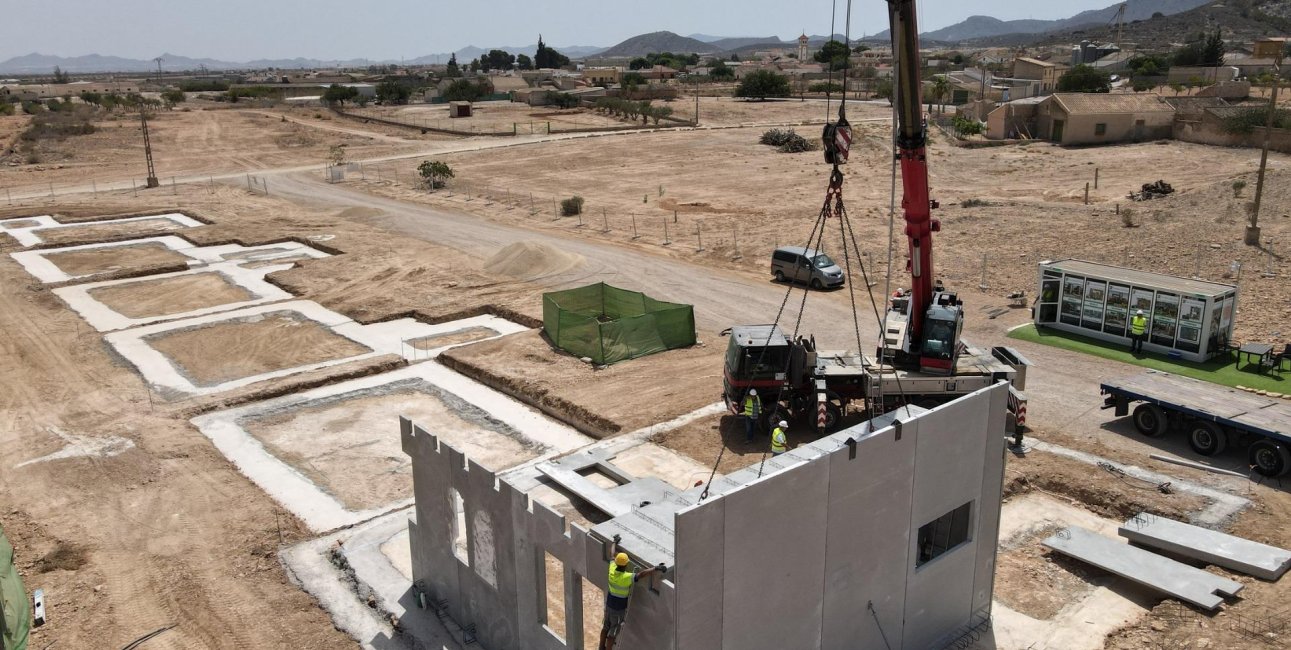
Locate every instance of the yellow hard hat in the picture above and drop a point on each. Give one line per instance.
(621, 559)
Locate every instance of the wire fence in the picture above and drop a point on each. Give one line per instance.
(567, 123)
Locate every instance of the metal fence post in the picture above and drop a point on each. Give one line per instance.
(699, 236)
(665, 233)
(634, 227)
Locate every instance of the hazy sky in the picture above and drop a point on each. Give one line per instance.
(242, 30)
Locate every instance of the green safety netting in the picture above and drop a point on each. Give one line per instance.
(609, 324)
(15, 613)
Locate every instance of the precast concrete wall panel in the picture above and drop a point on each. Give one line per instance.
(988, 520)
(948, 473)
(700, 568)
(868, 540)
(774, 560)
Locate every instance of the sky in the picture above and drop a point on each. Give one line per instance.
(242, 30)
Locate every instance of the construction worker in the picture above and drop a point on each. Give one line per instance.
(621, 579)
(779, 442)
(752, 411)
(1138, 331)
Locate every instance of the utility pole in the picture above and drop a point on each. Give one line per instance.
(147, 148)
(1253, 230)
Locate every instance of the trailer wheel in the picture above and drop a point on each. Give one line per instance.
(1207, 438)
(1269, 458)
(1150, 420)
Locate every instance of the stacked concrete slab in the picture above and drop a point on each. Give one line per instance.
(1210, 546)
(816, 549)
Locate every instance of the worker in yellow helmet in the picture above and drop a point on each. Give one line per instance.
(621, 579)
(779, 441)
(1138, 331)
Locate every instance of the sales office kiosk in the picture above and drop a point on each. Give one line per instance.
(1193, 317)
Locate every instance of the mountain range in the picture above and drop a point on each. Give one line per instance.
(976, 27)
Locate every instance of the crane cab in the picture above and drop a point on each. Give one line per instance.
(942, 325)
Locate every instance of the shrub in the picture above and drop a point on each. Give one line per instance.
(965, 126)
(796, 144)
(776, 137)
(1238, 186)
(1127, 218)
(972, 203)
(1245, 122)
(571, 206)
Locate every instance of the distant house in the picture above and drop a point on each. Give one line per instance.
(601, 76)
(1103, 118)
(459, 109)
(1269, 48)
(1046, 72)
(1011, 120)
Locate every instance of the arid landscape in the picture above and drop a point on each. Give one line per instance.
(151, 524)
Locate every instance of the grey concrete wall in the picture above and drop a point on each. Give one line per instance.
(508, 534)
(821, 554)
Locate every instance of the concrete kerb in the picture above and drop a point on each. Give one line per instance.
(27, 234)
(1222, 505)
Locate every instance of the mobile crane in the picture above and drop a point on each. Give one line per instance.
(921, 359)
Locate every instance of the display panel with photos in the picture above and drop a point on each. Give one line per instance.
(1190, 322)
(1095, 295)
(1073, 296)
(1118, 302)
(1165, 319)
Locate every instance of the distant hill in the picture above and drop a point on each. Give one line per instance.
(36, 63)
(658, 42)
(981, 27)
(1238, 20)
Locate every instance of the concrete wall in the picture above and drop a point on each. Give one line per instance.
(1121, 127)
(501, 591)
(797, 558)
(818, 554)
(1209, 130)
(1011, 121)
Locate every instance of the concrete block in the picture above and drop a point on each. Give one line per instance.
(1144, 567)
(1220, 549)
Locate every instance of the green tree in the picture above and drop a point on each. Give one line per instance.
(1084, 79)
(833, 53)
(1212, 49)
(1177, 88)
(883, 89)
(335, 94)
(498, 60)
(60, 77)
(91, 98)
(660, 112)
(639, 63)
(719, 70)
(172, 97)
(547, 57)
(451, 70)
(465, 90)
(435, 172)
(1139, 84)
(523, 62)
(562, 100)
(762, 84)
(940, 91)
(393, 92)
(630, 80)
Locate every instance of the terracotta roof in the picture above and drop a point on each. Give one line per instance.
(1112, 103)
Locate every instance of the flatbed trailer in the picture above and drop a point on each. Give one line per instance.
(1212, 416)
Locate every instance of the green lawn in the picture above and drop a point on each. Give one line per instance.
(1219, 370)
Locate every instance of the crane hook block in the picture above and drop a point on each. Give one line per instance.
(837, 139)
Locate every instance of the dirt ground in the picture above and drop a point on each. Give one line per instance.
(112, 259)
(169, 532)
(174, 295)
(222, 351)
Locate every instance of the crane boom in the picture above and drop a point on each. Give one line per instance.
(933, 318)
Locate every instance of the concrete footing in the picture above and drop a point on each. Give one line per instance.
(27, 231)
(1210, 546)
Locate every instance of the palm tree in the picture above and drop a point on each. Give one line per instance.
(940, 89)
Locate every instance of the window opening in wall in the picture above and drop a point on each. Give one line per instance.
(459, 526)
(1100, 129)
(943, 534)
(552, 583)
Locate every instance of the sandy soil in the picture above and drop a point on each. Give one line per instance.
(184, 142)
(618, 398)
(232, 349)
(94, 261)
(170, 295)
(496, 116)
(108, 231)
(350, 446)
(1038, 583)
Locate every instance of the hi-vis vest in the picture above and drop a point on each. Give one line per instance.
(1138, 325)
(778, 442)
(620, 581)
(752, 404)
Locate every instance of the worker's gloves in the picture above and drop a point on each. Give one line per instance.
(663, 568)
(617, 539)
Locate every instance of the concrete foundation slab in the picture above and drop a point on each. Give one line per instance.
(1163, 574)
(27, 232)
(305, 449)
(44, 263)
(1220, 549)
